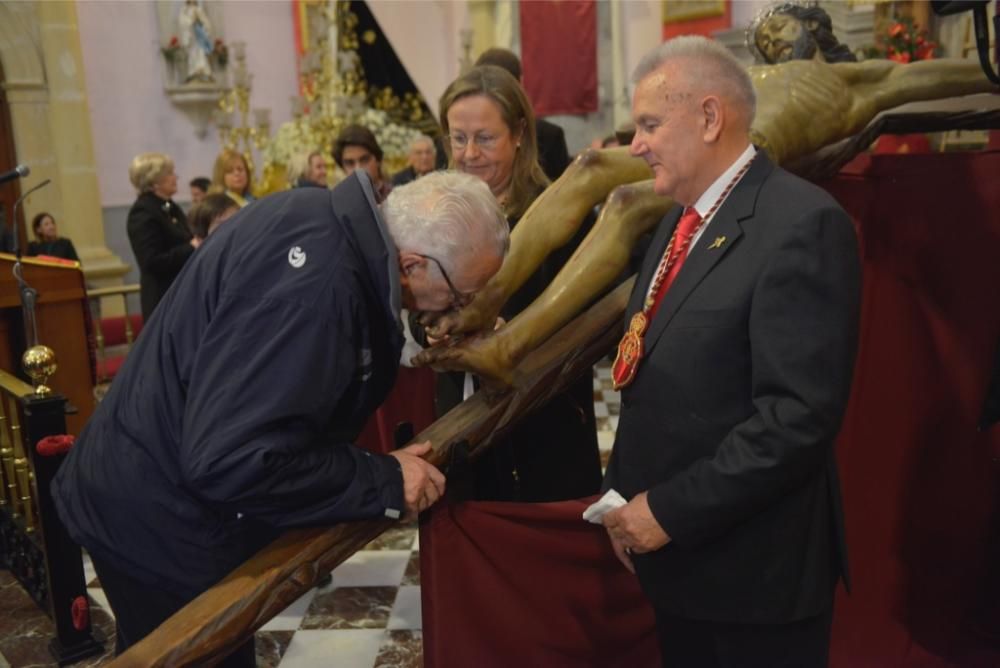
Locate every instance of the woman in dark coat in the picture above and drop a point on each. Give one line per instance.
(157, 227)
(553, 453)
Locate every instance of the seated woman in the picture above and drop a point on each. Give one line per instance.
(47, 240)
(214, 210)
(157, 228)
(231, 175)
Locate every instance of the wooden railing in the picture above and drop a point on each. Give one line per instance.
(34, 544)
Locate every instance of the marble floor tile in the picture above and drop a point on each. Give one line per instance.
(350, 608)
(290, 618)
(372, 568)
(605, 439)
(401, 649)
(601, 410)
(411, 576)
(396, 538)
(270, 647)
(405, 613)
(343, 649)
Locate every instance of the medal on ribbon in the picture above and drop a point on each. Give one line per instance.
(629, 351)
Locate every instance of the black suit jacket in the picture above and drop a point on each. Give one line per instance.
(731, 419)
(553, 155)
(161, 242)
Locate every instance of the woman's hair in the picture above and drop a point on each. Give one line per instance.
(147, 168)
(447, 215)
(298, 166)
(223, 164)
(208, 211)
(36, 223)
(527, 177)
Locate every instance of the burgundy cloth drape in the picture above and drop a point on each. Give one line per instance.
(410, 400)
(559, 55)
(918, 480)
(506, 584)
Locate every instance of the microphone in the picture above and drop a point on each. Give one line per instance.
(17, 244)
(17, 173)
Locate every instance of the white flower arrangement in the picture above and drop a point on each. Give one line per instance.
(299, 136)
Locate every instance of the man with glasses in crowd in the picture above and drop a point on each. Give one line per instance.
(234, 416)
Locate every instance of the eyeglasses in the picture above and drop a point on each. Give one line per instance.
(485, 142)
(458, 299)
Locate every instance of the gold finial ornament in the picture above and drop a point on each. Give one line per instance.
(39, 362)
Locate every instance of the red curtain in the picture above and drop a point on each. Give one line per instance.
(533, 584)
(505, 584)
(559, 55)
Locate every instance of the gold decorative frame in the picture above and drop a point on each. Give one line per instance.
(679, 11)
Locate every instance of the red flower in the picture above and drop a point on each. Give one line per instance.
(896, 30)
(174, 41)
(900, 57)
(920, 40)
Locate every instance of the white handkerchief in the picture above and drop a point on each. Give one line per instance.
(609, 501)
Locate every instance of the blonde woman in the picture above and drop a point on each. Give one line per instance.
(157, 227)
(307, 170)
(231, 175)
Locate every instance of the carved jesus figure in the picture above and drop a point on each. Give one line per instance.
(802, 106)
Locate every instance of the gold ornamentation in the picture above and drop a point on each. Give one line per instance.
(717, 243)
(39, 362)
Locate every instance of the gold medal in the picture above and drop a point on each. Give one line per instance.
(629, 351)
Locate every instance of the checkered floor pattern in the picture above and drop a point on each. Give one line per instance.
(367, 616)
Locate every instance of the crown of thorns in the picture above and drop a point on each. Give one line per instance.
(763, 15)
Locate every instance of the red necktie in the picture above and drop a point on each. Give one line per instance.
(686, 228)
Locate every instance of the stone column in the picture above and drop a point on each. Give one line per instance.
(46, 89)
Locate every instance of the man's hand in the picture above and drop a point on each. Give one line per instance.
(423, 484)
(634, 529)
(623, 556)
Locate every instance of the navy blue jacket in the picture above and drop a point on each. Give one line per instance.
(233, 416)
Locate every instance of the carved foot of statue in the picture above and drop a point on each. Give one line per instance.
(483, 354)
(478, 316)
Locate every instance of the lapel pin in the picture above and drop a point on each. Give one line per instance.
(717, 243)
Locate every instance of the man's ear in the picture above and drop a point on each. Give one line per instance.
(408, 261)
(811, 24)
(713, 115)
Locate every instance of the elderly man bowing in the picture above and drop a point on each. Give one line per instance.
(735, 371)
(234, 416)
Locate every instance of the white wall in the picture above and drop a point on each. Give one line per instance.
(129, 110)
(425, 36)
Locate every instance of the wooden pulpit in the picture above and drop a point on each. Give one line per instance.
(61, 315)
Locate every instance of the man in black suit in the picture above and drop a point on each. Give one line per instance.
(735, 376)
(553, 155)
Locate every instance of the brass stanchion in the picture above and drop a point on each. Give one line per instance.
(10, 496)
(21, 470)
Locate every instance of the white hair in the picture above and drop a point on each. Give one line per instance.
(423, 139)
(299, 164)
(448, 215)
(710, 65)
